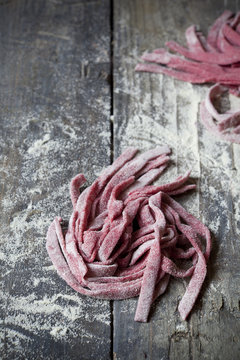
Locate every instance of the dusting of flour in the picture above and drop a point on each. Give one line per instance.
(160, 111)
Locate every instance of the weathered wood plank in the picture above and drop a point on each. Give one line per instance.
(152, 109)
(55, 122)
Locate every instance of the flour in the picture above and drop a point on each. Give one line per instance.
(161, 111)
(181, 328)
(58, 332)
(45, 162)
(39, 145)
(234, 102)
(166, 111)
(59, 312)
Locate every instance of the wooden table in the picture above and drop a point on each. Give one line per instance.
(70, 102)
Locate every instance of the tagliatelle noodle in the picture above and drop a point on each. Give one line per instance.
(215, 59)
(124, 235)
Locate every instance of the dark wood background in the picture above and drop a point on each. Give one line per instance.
(70, 101)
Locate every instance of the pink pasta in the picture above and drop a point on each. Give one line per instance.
(215, 59)
(227, 125)
(125, 235)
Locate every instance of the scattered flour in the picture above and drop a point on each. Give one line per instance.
(182, 328)
(161, 111)
(58, 331)
(39, 145)
(28, 210)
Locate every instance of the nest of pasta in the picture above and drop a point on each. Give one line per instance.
(126, 236)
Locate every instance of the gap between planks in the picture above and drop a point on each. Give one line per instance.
(111, 120)
(111, 81)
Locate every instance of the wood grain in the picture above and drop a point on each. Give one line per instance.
(152, 109)
(56, 99)
(55, 122)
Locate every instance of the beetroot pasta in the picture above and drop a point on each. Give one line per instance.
(227, 125)
(214, 59)
(125, 236)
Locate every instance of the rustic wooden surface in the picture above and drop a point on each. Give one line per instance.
(152, 109)
(57, 95)
(55, 122)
